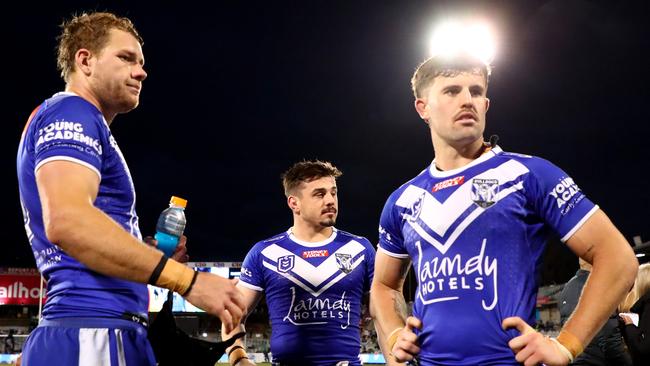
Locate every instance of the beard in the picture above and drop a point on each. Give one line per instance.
(328, 222)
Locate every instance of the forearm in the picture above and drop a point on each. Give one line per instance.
(389, 312)
(610, 280)
(94, 239)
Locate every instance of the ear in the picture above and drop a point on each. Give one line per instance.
(487, 104)
(422, 108)
(292, 202)
(84, 61)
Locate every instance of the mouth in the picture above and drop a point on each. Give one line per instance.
(467, 117)
(134, 88)
(329, 211)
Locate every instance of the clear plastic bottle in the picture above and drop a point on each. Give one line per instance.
(171, 225)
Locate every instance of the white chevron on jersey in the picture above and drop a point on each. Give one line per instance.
(310, 277)
(439, 217)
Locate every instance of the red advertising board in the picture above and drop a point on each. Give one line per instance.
(20, 286)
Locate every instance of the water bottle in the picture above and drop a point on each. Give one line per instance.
(171, 225)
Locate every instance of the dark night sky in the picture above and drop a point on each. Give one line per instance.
(237, 92)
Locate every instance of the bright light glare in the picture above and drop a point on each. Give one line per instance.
(453, 38)
(640, 255)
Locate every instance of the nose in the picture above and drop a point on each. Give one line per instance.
(138, 73)
(466, 97)
(330, 200)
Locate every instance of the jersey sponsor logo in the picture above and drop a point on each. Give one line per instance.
(384, 234)
(449, 278)
(286, 263)
(315, 253)
(66, 131)
(564, 191)
(305, 309)
(485, 192)
(344, 262)
(448, 183)
(246, 271)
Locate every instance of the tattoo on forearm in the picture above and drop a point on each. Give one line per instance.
(400, 305)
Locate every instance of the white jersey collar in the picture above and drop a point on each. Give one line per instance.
(314, 244)
(448, 173)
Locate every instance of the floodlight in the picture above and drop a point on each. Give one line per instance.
(455, 37)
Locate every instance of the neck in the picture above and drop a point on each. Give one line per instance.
(86, 93)
(310, 233)
(449, 157)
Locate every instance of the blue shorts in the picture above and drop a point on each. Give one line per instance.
(88, 341)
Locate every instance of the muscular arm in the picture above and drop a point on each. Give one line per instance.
(387, 305)
(67, 191)
(614, 269)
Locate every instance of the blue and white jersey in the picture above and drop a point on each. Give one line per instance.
(67, 127)
(476, 236)
(314, 293)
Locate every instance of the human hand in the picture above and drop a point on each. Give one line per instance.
(531, 347)
(180, 254)
(406, 347)
(626, 319)
(218, 296)
(245, 362)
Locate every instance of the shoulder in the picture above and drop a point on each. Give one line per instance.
(70, 103)
(419, 181)
(261, 245)
(344, 235)
(534, 164)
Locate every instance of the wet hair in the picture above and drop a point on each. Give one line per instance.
(436, 66)
(306, 171)
(90, 31)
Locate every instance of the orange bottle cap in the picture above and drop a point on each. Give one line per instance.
(177, 201)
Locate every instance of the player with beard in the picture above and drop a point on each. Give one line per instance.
(314, 276)
(474, 224)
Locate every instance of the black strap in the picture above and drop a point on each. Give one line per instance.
(158, 270)
(196, 274)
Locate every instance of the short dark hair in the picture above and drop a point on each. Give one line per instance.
(89, 31)
(307, 171)
(436, 66)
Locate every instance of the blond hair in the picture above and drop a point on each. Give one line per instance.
(640, 288)
(90, 31)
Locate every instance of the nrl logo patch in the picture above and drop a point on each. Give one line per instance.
(286, 263)
(485, 192)
(344, 262)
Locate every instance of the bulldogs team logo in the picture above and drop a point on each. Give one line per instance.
(415, 209)
(286, 263)
(485, 192)
(344, 261)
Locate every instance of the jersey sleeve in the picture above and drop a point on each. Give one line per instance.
(252, 275)
(391, 241)
(370, 265)
(557, 199)
(72, 132)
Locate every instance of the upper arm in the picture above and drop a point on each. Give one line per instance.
(390, 271)
(64, 184)
(596, 236)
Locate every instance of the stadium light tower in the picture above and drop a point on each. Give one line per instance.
(455, 37)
